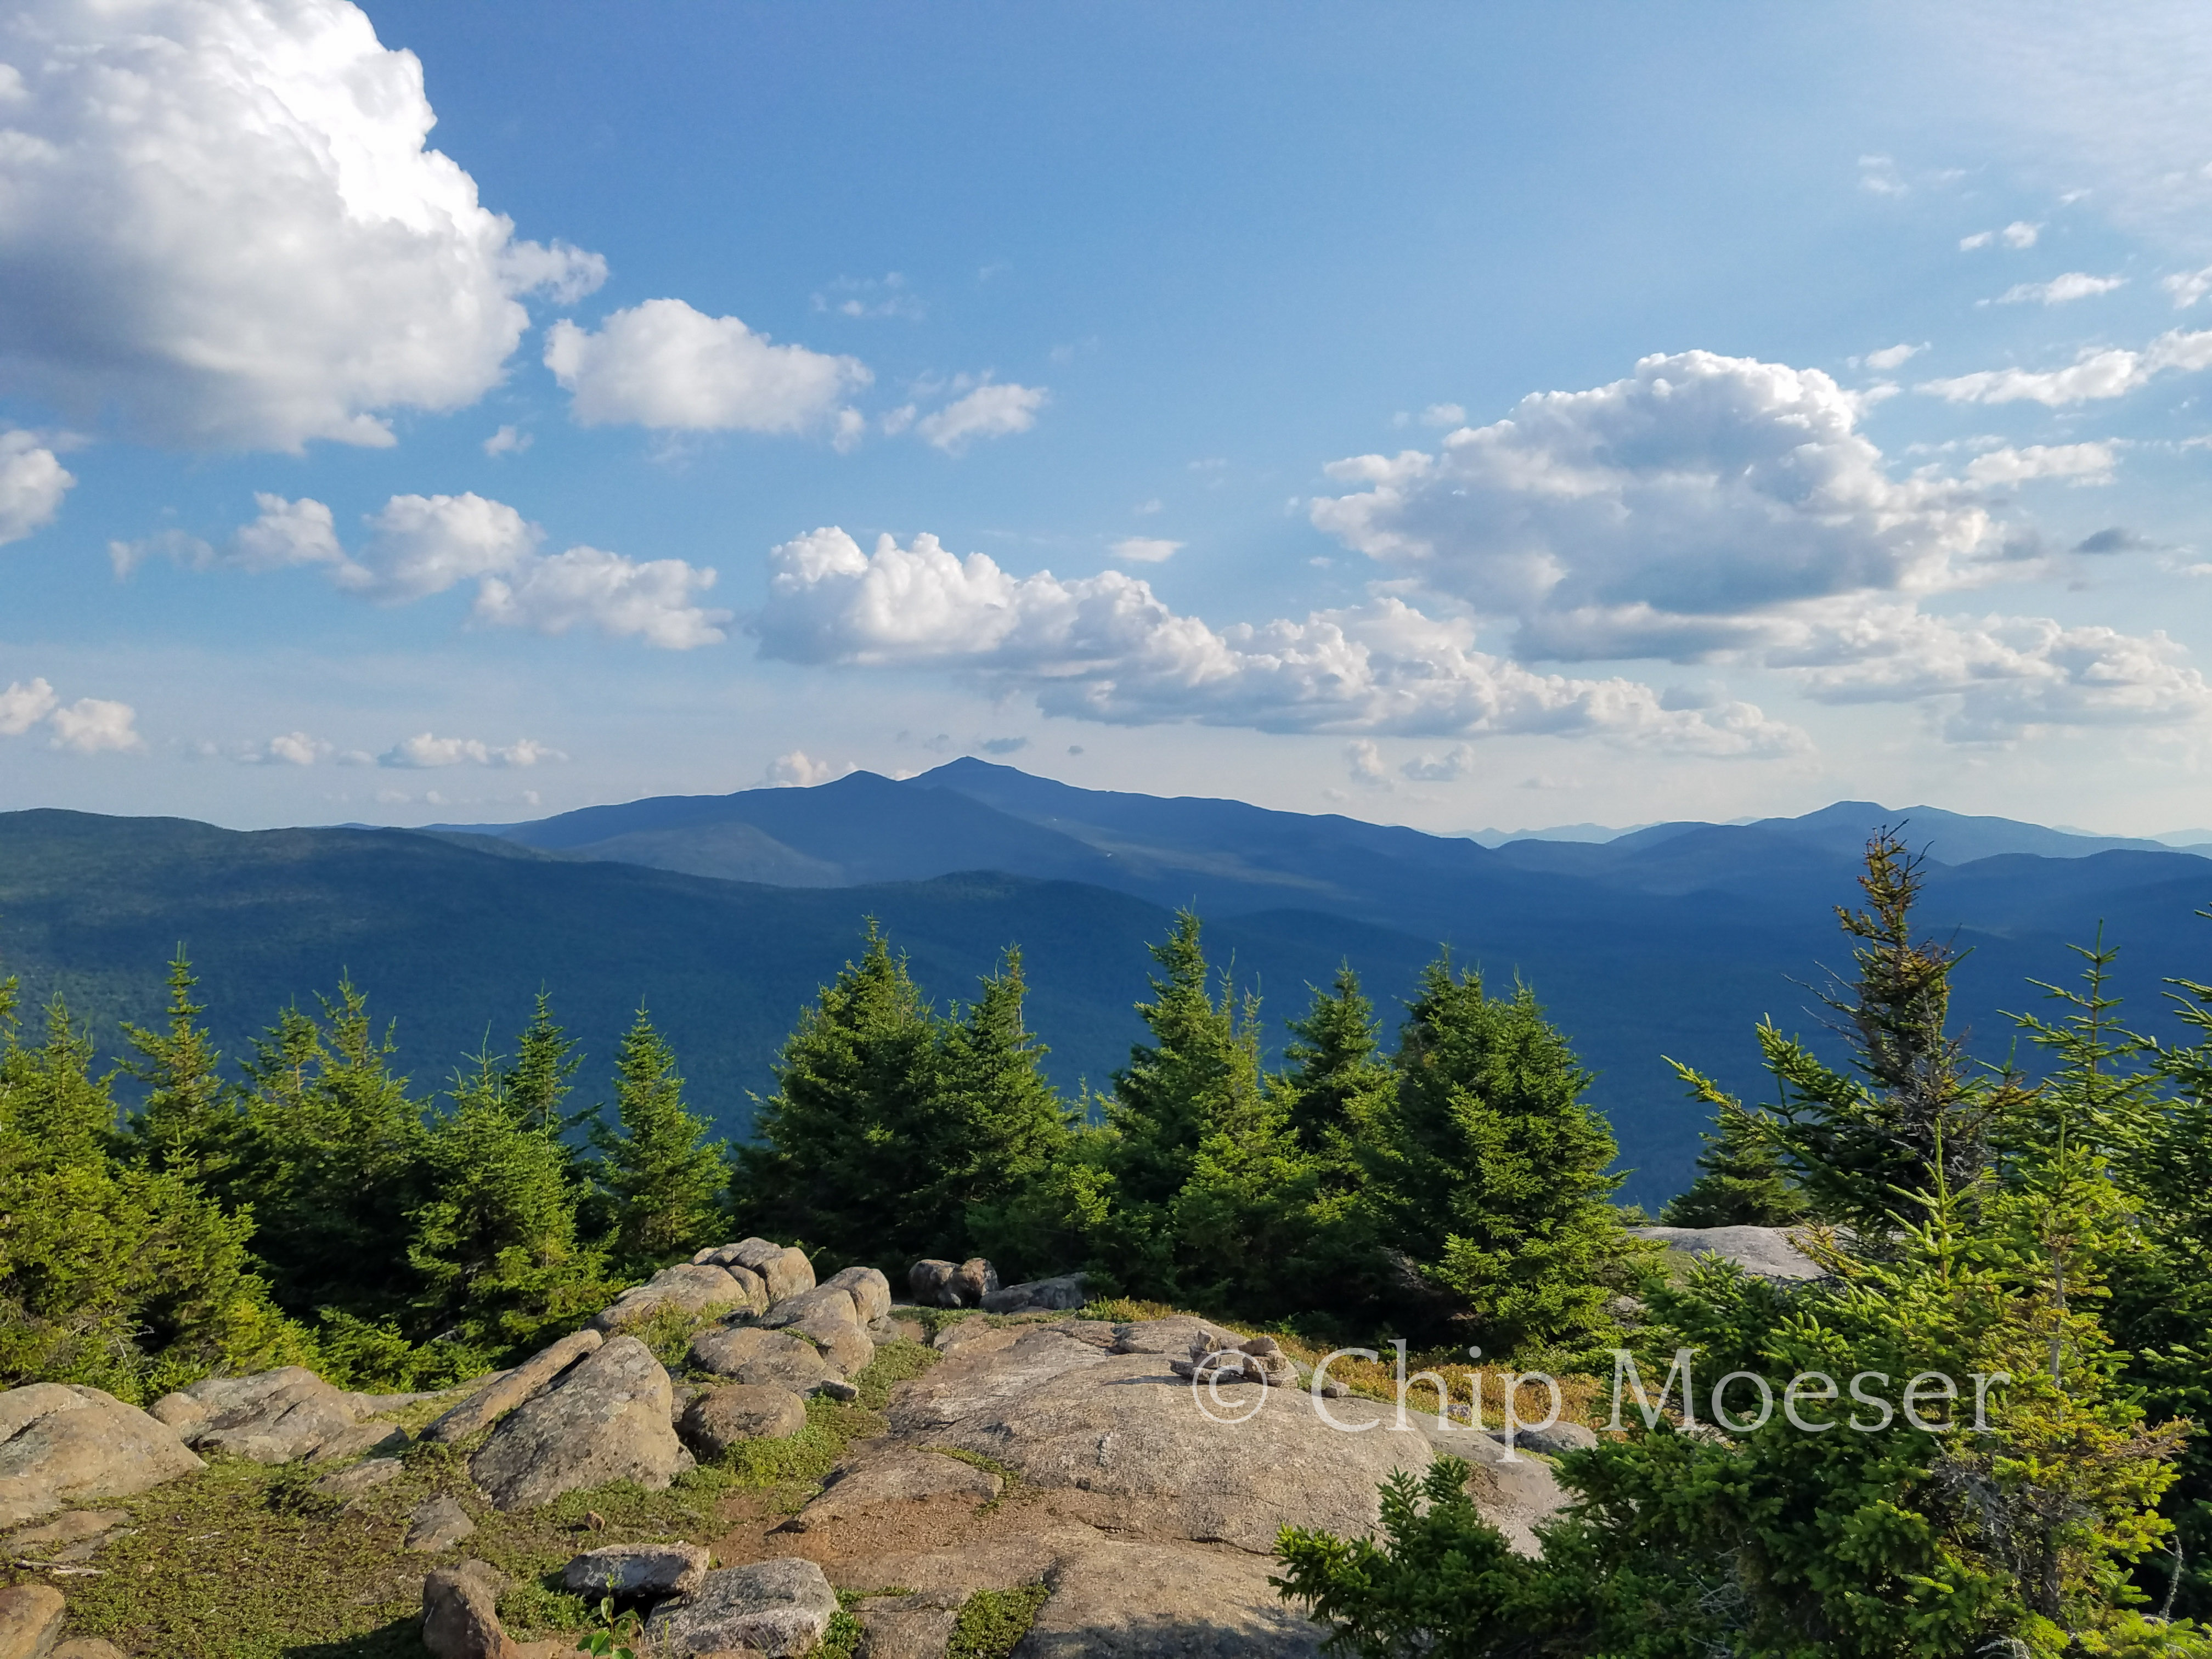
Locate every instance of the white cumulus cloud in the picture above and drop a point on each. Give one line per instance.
(2112, 372)
(1668, 514)
(1894, 356)
(420, 545)
(993, 410)
(1454, 762)
(91, 726)
(423, 751)
(2018, 234)
(2074, 285)
(800, 771)
(1144, 549)
(2081, 464)
(23, 706)
(1105, 648)
(32, 485)
(220, 218)
(2001, 678)
(665, 365)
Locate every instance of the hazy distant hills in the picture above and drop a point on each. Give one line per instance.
(724, 914)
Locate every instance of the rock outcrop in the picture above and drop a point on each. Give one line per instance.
(1063, 1294)
(870, 1291)
(779, 1607)
(688, 1287)
(59, 1442)
(508, 1389)
(1763, 1251)
(608, 1418)
(893, 1479)
(828, 1317)
(774, 1357)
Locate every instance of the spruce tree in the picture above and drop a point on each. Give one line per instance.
(545, 1059)
(494, 1247)
(664, 1177)
(1489, 1171)
(1338, 1081)
(839, 1144)
(333, 1161)
(189, 1119)
(990, 1124)
(131, 1279)
(1198, 1078)
(1741, 1179)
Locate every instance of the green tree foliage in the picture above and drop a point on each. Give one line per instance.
(1339, 1085)
(495, 1247)
(1881, 1534)
(545, 1059)
(1489, 1171)
(131, 1279)
(1743, 1181)
(665, 1178)
(189, 1120)
(853, 1082)
(335, 1167)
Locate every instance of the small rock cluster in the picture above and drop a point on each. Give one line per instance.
(934, 1283)
(1217, 1358)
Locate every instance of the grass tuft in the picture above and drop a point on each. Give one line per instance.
(991, 1623)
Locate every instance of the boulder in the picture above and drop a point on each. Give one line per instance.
(606, 1419)
(435, 1526)
(271, 1416)
(63, 1441)
(511, 1388)
(1134, 1601)
(745, 1354)
(935, 1284)
(1060, 1295)
(721, 1418)
(370, 1439)
(637, 1572)
(460, 1613)
(975, 1280)
(785, 1270)
(780, 1608)
(351, 1483)
(834, 1300)
(694, 1289)
(30, 1620)
(889, 1479)
(1770, 1253)
(870, 1291)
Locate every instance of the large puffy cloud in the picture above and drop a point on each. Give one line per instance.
(31, 485)
(2000, 676)
(663, 364)
(221, 218)
(1105, 648)
(1671, 514)
(419, 546)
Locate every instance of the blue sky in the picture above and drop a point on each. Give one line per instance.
(1452, 415)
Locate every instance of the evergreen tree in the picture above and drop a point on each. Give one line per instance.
(333, 1161)
(494, 1247)
(989, 1124)
(1339, 1083)
(836, 1149)
(1489, 1171)
(1198, 1078)
(131, 1279)
(189, 1119)
(1855, 1142)
(545, 1059)
(1741, 1180)
(664, 1177)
